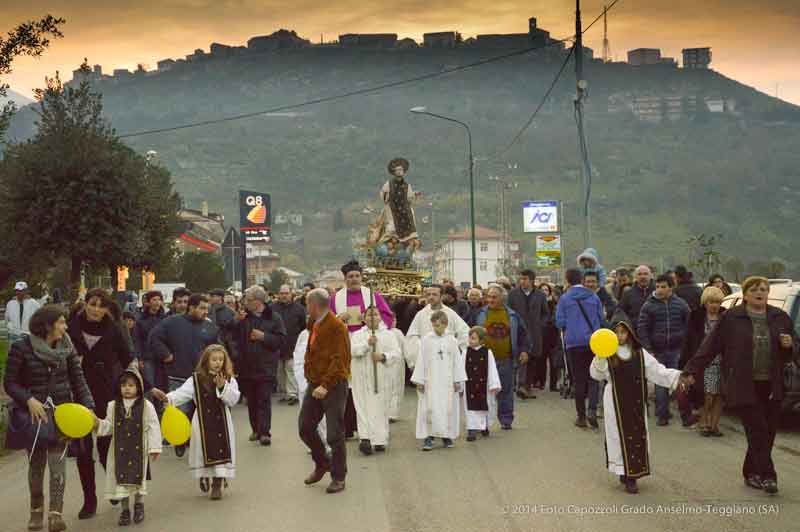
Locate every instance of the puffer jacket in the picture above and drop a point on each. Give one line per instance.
(663, 324)
(27, 376)
(258, 359)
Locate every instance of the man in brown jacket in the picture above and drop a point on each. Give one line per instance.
(327, 368)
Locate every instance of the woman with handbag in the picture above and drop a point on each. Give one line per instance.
(43, 371)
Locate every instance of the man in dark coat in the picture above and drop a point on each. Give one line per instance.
(258, 333)
(635, 296)
(293, 315)
(531, 305)
(687, 289)
(459, 306)
(152, 314)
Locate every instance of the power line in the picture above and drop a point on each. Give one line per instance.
(349, 94)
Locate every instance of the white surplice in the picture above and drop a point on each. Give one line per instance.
(152, 444)
(299, 357)
(230, 397)
(373, 419)
(421, 325)
(654, 372)
(483, 419)
(396, 378)
(439, 367)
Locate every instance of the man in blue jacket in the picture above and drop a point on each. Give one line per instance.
(579, 314)
(663, 324)
(508, 339)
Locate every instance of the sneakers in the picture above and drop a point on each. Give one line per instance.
(770, 486)
(754, 481)
(365, 447)
(265, 440)
(138, 512)
(427, 445)
(124, 518)
(55, 523)
(448, 443)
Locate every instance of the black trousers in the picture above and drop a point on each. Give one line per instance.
(350, 417)
(311, 413)
(581, 360)
(85, 463)
(258, 393)
(760, 423)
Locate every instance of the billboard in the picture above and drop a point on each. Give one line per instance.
(540, 216)
(255, 216)
(548, 251)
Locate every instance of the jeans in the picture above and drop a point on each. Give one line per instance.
(580, 358)
(41, 457)
(670, 360)
(259, 404)
(760, 423)
(311, 413)
(505, 398)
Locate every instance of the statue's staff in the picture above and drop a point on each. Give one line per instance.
(370, 322)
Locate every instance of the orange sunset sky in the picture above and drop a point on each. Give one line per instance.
(753, 41)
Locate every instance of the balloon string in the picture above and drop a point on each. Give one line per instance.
(47, 404)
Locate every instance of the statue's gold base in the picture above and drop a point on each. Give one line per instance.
(397, 283)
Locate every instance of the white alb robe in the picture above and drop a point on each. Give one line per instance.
(421, 325)
(439, 367)
(654, 372)
(152, 444)
(396, 378)
(299, 357)
(373, 420)
(230, 397)
(483, 419)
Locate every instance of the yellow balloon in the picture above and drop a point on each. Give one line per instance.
(175, 426)
(74, 420)
(604, 343)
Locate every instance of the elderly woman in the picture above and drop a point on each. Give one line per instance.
(701, 322)
(43, 371)
(754, 341)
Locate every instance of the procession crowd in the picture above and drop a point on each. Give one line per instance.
(346, 357)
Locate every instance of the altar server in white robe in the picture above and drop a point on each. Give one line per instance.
(421, 325)
(396, 378)
(299, 357)
(483, 384)
(625, 402)
(374, 351)
(439, 376)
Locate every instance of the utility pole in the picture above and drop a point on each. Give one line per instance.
(586, 166)
(606, 45)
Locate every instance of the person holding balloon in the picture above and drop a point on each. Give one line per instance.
(621, 360)
(43, 375)
(132, 423)
(214, 390)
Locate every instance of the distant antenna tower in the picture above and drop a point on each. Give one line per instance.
(606, 45)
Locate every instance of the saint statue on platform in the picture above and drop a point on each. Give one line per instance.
(393, 236)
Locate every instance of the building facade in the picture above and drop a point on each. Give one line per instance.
(454, 256)
(644, 56)
(696, 58)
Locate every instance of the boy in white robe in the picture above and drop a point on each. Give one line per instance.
(625, 403)
(396, 379)
(483, 384)
(374, 352)
(132, 422)
(439, 376)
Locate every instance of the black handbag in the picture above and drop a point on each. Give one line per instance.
(22, 433)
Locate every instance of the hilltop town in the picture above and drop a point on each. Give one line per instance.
(535, 38)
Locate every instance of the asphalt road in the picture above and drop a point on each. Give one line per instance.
(544, 475)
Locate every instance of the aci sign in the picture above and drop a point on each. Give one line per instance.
(540, 216)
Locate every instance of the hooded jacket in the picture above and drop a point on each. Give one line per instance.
(569, 317)
(599, 269)
(663, 324)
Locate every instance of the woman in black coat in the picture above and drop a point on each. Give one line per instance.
(755, 341)
(41, 366)
(105, 352)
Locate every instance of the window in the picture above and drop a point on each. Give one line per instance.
(484, 266)
(484, 247)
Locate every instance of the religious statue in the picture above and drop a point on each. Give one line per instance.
(393, 236)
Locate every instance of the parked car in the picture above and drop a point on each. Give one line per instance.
(784, 294)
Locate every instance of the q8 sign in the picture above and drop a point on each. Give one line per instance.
(540, 216)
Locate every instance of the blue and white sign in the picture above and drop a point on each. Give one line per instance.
(540, 216)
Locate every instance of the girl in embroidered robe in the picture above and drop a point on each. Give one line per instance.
(483, 383)
(212, 447)
(625, 403)
(132, 423)
(439, 377)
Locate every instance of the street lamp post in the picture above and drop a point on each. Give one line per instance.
(424, 111)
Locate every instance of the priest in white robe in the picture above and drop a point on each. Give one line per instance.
(439, 376)
(421, 325)
(625, 404)
(374, 351)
